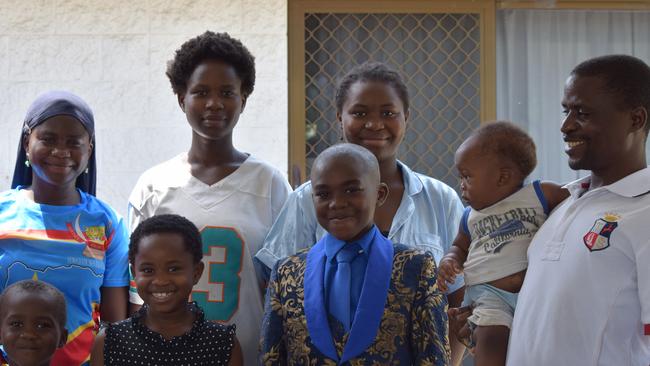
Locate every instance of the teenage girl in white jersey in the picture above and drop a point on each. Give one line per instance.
(232, 197)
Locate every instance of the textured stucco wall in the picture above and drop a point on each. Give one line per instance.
(113, 54)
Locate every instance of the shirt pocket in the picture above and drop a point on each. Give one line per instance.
(552, 250)
(429, 243)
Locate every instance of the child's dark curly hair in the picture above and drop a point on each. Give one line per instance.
(510, 143)
(170, 224)
(371, 71)
(211, 46)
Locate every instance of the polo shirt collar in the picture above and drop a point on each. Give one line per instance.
(633, 185)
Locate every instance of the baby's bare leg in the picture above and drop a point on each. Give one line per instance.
(491, 345)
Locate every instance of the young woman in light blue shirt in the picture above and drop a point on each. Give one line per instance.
(372, 107)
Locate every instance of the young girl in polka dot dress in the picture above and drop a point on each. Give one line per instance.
(165, 254)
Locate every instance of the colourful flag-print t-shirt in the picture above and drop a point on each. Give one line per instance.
(77, 249)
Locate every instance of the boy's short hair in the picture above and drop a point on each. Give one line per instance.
(371, 71)
(38, 288)
(509, 142)
(211, 46)
(366, 159)
(625, 76)
(168, 224)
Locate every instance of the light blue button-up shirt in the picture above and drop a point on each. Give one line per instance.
(428, 218)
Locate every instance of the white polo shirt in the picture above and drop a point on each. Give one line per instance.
(586, 297)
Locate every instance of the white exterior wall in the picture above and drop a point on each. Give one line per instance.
(113, 53)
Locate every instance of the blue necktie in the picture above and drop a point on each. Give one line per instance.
(339, 296)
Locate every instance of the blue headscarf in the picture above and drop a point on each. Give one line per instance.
(46, 106)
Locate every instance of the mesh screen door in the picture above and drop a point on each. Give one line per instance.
(437, 52)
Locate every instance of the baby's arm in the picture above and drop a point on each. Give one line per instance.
(452, 263)
(97, 353)
(554, 194)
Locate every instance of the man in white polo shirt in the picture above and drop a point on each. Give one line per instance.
(586, 297)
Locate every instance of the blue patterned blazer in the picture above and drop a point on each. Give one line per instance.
(400, 320)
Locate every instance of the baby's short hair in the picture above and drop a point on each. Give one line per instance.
(509, 142)
(211, 46)
(38, 288)
(169, 224)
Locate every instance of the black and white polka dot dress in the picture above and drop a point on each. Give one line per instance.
(130, 342)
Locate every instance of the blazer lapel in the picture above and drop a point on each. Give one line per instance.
(373, 298)
(314, 302)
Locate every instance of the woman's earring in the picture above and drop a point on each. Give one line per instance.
(86, 171)
(27, 164)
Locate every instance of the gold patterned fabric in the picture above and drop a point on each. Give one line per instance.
(412, 331)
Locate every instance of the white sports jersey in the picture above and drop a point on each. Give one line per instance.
(586, 296)
(233, 215)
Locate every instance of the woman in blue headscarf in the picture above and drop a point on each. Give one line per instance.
(52, 228)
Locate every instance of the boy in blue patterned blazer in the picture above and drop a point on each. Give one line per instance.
(354, 298)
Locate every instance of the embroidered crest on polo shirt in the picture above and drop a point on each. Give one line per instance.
(598, 237)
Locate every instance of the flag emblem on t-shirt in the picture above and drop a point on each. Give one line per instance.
(96, 233)
(598, 237)
(93, 236)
